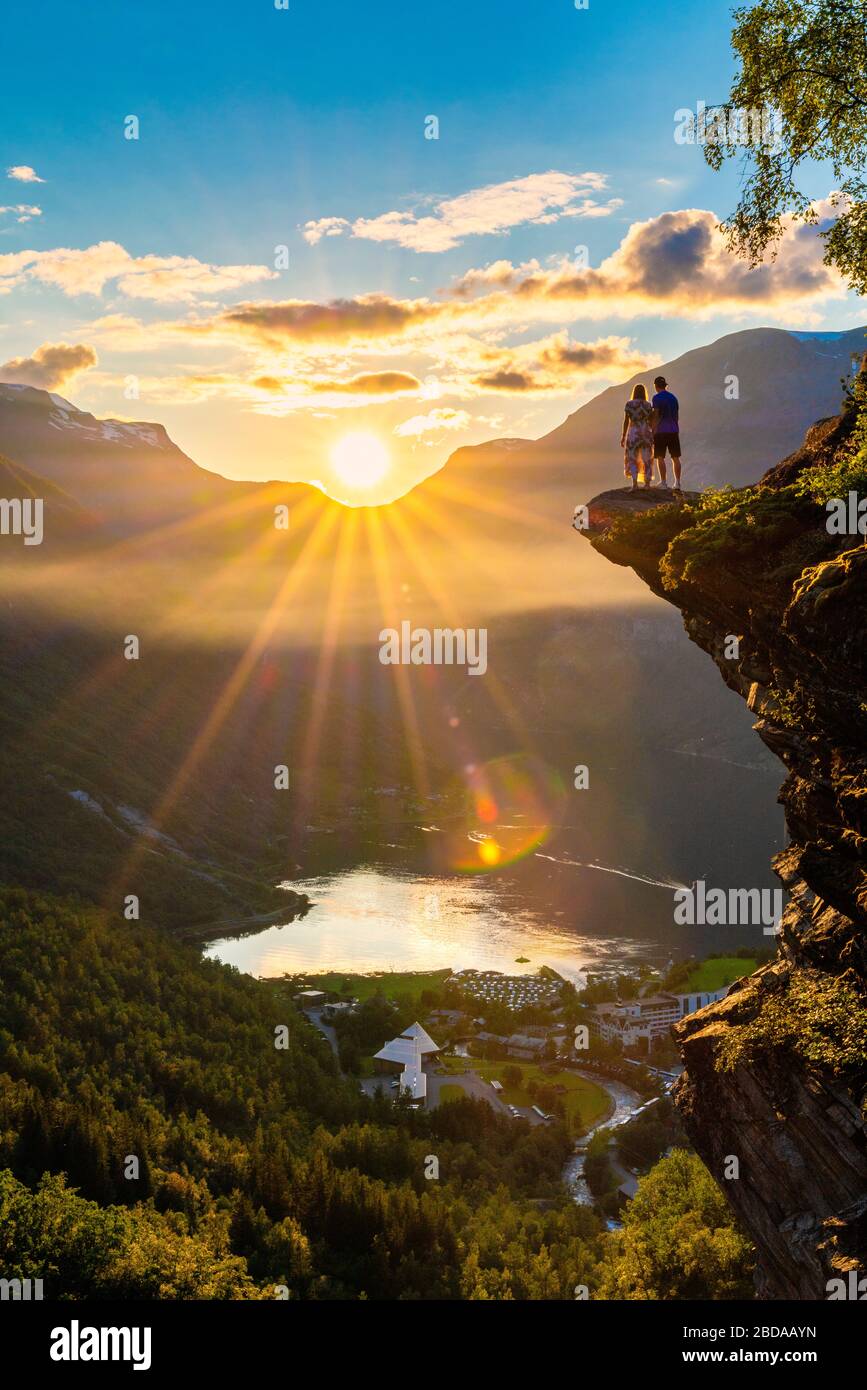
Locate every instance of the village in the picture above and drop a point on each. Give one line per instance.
(534, 1047)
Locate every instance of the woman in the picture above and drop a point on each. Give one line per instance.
(636, 437)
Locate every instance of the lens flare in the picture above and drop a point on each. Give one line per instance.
(510, 807)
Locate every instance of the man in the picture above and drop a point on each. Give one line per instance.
(666, 430)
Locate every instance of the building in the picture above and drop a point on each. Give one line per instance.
(691, 1003)
(426, 1045)
(448, 1018)
(528, 1049)
(642, 1020)
(395, 1055)
(344, 1006)
(636, 1020)
(310, 998)
(413, 1083)
(406, 1057)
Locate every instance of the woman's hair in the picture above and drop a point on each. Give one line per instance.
(638, 392)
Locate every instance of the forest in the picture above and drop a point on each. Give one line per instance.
(156, 1143)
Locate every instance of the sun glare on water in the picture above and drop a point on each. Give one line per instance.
(360, 459)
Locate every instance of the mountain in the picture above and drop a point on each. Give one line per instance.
(133, 477)
(72, 525)
(130, 476)
(785, 381)
(174, 537)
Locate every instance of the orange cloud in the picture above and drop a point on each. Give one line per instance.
(51, 366)
(339, 321)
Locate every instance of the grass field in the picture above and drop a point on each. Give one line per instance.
(585, 1102)
(391, 983)
(448, 1093)
(713, 974)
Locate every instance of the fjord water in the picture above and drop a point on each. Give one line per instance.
(375, 917)
(680, 789)
(557, 907)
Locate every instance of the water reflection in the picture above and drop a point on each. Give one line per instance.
(377, 918)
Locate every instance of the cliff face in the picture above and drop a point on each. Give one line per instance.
(776, 1074)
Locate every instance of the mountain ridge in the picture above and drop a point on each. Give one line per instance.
(94, 459)
(728, 442)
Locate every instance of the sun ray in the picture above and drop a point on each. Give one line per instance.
(175, 618)
(463, 496)
(233, 687)
(447, 605)
(340, 578)
(388, 601)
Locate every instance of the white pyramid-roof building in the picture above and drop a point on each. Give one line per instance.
(424, 1040)
(404, 1051)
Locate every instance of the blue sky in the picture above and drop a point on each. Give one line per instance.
(256, 123)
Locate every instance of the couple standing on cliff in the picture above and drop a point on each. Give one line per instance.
(649, 429)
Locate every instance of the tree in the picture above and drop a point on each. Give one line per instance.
(512, 1077)
(679, 1239)
(807, 61)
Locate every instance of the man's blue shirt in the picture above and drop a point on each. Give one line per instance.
(666, 405)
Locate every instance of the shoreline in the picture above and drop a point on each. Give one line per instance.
(227, 928)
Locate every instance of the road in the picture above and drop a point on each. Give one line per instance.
(315, 1016)
(473, 1084)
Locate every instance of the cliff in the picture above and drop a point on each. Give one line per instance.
(776, 1074)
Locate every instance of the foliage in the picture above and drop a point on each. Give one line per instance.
(806, 59)
(679, 1240)
(81, 1250)
(819, 1018)
(259, 1165)
(643, 1141)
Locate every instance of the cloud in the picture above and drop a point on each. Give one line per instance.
(339, 321)
(164, 279)
(280, 392)
(442, 418)
(474, 337)
(503, 380)
(537, 199)
(677, 262)
(51, 366)
(22, 212)
(474, 368)
(362, 384)
(325, 226)
(555, 363)
(23, 173)
(374, 384)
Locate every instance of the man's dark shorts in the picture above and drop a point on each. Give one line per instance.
(661, 442)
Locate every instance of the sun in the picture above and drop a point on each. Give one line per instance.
(360, 460)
